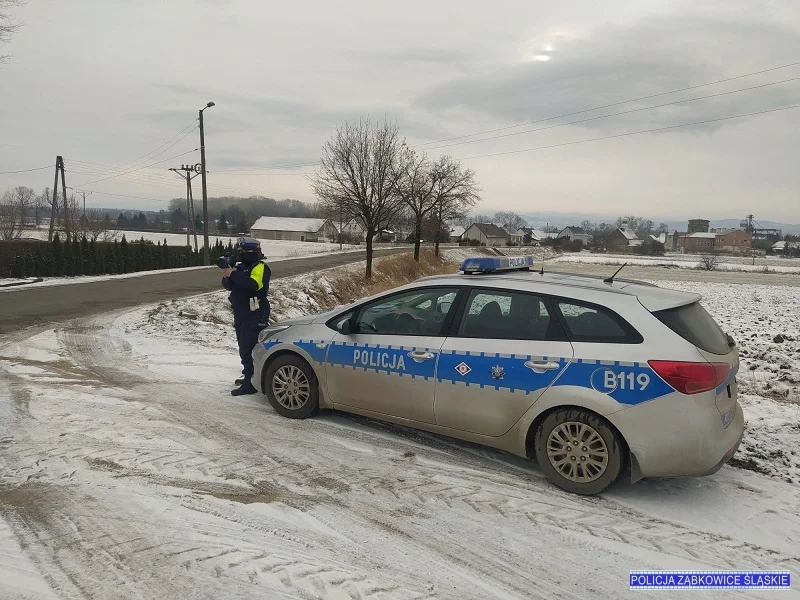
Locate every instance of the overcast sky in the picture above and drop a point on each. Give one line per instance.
(105, 82)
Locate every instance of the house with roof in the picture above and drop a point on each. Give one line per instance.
(781, 246)
(574, 233)
(486, 233)
(671, 241)
(293, 228)
(514, 236)
(455, 233)
(622, 239)
(700, 241)
(355, 230)
(733, 240)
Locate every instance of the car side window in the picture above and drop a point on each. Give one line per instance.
(415, 312)
(590, 323)
(505, 315)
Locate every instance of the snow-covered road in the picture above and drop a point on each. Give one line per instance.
(128, 471)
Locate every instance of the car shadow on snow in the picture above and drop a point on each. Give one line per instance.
(709, 490)
(438, 446)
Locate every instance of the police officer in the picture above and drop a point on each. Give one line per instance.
(248, 284)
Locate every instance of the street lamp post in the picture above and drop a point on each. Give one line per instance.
(206, 249)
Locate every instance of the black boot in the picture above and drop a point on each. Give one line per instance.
(245, 389)
(239, 381)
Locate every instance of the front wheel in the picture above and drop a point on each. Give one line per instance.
(291, 387)
(578, 451)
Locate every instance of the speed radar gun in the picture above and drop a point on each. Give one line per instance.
(246, 276)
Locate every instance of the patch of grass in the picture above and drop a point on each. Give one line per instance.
(388, 273)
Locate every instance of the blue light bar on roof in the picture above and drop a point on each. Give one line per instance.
(494, 264)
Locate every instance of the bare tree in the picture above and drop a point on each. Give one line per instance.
(24, 199)
(7, 26)
(10, 221)
(510, 220)
(709, 262)
(455, 192)
(641, 226)
(415, 184)
(40, 204)
(464, 220)
(662, 228)
(72, 209)
(95, 226)
(601, 235)
(357, 176)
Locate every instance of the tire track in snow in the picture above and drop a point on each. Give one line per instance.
(217, 445)
(422, 488)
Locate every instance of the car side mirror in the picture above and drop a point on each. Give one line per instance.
(344, 327)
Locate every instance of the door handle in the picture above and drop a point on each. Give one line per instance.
(541, 366)
(420, 355)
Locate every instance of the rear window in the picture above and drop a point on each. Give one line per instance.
(696, 326)
(595, 324)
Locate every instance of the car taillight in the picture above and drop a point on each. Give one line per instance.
(691, 377)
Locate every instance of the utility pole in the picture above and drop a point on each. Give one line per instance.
(84, 200)
(206, 249)
(54, 211)
(189, 172)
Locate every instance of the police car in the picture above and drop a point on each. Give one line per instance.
(593, 378)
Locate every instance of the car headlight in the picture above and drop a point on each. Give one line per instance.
(268, 332)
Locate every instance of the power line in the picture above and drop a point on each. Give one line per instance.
(191, 125)
(257, 173)
(686, 89)
(624, 112)
(313, 164)
(127, 196)
(629, 133)
(140, 177)
(140, 168)
(128, 167)
(164, 181)
(26, 170)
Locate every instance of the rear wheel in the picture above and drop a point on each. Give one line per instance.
(578, 451)
(291, 387)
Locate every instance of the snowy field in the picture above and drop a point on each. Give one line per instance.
(142, 478)
(687, 261)
(271, 248)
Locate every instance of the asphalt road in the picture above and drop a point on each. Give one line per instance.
(26, 306)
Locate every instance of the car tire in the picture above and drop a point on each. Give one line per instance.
(574, 467)
(291, 387)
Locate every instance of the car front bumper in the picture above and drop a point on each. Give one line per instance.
(259, 355)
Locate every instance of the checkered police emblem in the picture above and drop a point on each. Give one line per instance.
(463, 368)
(498, 372)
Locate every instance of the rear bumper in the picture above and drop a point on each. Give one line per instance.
(678, 437)
(728, 455)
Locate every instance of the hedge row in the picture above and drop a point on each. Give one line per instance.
(83, 257)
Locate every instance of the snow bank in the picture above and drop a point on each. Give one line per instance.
(14, 281)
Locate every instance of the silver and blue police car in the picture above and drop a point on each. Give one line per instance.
(593, 378)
